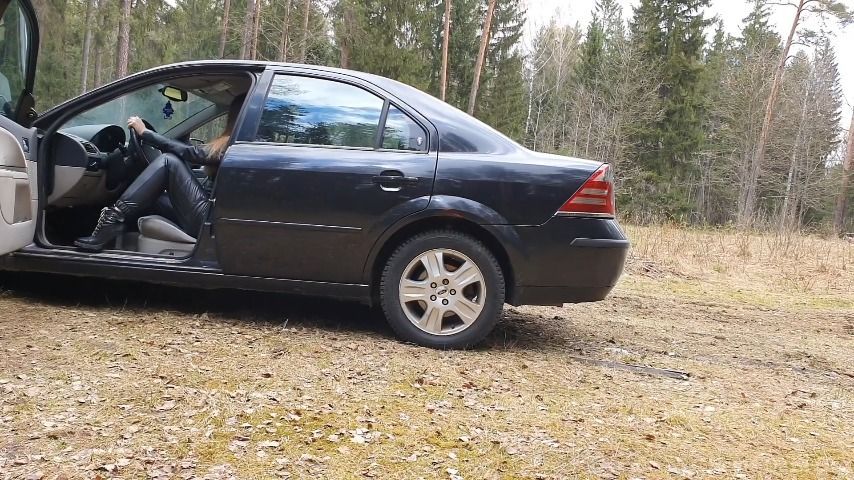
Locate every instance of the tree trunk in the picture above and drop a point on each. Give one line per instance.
(123, 47)
(305, 14)
(283, 41)
(842, 200)
(98, 66)
(346, 38)
(749, 194)
(100, 50)
(481, 55)
(246, 38)
(223, 35)
(87, 46)
(256, 29)
(446, 36)
(787, 212)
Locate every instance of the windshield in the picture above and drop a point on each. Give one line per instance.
(147, 103)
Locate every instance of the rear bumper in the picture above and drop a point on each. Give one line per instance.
(567, 260)
(557, 295)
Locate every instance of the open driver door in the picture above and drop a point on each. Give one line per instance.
(19, 39)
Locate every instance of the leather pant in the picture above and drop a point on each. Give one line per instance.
(190, 202)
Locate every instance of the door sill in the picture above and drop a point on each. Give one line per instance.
(73, 253)
(122, 267)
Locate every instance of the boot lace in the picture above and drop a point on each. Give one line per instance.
(109, 215)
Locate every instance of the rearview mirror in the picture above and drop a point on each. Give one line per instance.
(173, 93)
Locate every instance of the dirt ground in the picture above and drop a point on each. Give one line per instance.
(121, 380)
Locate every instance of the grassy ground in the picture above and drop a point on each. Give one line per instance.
(101, 380)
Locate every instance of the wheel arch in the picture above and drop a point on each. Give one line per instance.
(440, 222)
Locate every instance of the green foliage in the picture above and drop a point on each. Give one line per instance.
(504, 102)
(389, 37)
(670, 34)
(592, 52)
(757, 32)
(678, 117)
(162, 32)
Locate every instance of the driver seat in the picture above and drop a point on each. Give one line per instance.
(159, 236)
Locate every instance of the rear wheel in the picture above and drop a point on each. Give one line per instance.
(442, 289)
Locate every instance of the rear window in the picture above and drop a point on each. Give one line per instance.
(402, 133)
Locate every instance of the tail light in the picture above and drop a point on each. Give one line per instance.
(595, 198)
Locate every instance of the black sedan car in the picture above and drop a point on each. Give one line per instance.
(336, 183)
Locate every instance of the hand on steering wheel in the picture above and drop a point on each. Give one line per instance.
(136, 127)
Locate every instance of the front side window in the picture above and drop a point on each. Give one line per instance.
(402, 133)
(14, 45)
(314, 111)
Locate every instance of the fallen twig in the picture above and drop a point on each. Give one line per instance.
(661, 372)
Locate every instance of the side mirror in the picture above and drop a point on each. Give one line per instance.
(173, 93)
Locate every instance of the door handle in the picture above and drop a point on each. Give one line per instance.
(393, 180)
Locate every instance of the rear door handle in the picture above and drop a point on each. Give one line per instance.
(393, 180)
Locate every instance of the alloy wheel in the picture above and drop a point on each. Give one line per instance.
(442, 292)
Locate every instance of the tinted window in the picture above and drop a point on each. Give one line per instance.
(402, 133)
(319, 112)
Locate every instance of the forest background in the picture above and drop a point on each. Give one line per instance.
(701, 126)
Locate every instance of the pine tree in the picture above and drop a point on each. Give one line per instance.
(749, 198)
(446, 33)
(589, 66)
(306, 16)
(840, 212)
(757, 33)
(387, 37)
(248, 23)
(466, 18)
(714, 153)
(223, 36)
(123, 45)
(87, 46)
(669, 34)
(503, 99)
(283, 39)
(678, 120)
(481, 55)
(816, 140)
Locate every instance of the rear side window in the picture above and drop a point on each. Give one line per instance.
(315, 111)
(402, 133)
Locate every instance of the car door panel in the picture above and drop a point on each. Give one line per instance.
(18, 174)
(18, 192)
(309, 213)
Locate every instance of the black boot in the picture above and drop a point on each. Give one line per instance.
(110, 225)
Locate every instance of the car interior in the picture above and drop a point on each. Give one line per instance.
(93, 162)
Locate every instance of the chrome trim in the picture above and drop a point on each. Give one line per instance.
(296, 226)
(582, 215)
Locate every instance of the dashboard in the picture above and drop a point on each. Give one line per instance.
(77, 146)
(78, 155)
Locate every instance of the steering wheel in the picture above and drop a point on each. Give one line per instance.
(135, 148)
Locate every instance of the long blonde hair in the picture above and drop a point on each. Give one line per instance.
(217, 146)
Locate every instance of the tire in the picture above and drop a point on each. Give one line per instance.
(442, 289)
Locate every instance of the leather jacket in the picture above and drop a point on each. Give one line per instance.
(189, 153)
